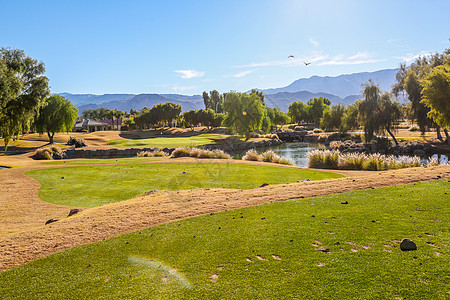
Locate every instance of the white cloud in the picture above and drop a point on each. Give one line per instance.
(356, 59)
(314, 42)
(320, 60)
(243, 73)
(188, 74)
(183, 88)
(410, 57)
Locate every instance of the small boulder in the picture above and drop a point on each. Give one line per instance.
(407, 245)
(51, 221)
(344, 202)
(264, 184)
(74, 211)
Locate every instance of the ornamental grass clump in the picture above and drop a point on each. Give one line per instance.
(43, 153)
(251, 155)
(433, 161)
(156, 153)
(270, 156)
(359, 161)
(351, 161)
(47, 152)
(181, 152)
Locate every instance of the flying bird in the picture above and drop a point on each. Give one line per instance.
(291, 56)
(306, 63)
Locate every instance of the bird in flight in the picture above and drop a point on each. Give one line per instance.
(306, 63)
(291, 56)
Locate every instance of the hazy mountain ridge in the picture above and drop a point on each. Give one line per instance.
(343, 88)
(342, 85)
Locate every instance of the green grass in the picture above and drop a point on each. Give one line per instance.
(188, 252)
(168, 142)
(96, 185)
(103, 161)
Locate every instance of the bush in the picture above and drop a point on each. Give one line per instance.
(270, 156)
(251, 155)
(414, 128)
(156, 153)
(181, 152)
(285, 161)
(43, 153)
(317, 130)
(433, 161)
(327, 159)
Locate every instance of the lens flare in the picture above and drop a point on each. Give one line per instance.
(159, 266)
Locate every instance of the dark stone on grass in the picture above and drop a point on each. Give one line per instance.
(264, 184)
(407, 245)
(51, 221)
(344, 202)
(304, 180)
(74, 211)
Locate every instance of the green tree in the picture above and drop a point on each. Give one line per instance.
(436, 96)
(350, 118)
(101, 113)
(245, 112)
(213, 101)
(206, 117)
(333, 118)
(191, 118)
(23, 89)
(298, 112)
(377, 114)
(316, 108)
(277, 117)
(57, 115)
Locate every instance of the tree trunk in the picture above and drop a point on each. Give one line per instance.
(50, 137)
(438, 133)
(447, 136)
(392, 135)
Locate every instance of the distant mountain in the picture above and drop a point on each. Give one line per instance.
(344, 89)
(342, 86)
(80, 99)
(137, 102)
(282, 100)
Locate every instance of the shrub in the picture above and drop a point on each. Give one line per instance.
(433, 161)
(220, 154)
(270, 156)
(285, 161)
(414, 128)
(195, 152)
(318, 130)
(359, 161)
(43, 153)
(160, 153)
(180, 152)
(251, 155)
(322, 138)
(55, 148)
(144, 154)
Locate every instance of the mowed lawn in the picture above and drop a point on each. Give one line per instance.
(103, 161)
(314, 248)
(89, 186)
(168, 142)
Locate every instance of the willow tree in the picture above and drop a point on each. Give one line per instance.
(244, 112)
(378, 114)
(57, 115)
(436, 96)
(23, 88)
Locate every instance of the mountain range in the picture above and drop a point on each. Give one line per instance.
(343, 89)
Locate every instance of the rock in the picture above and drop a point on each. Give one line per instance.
(304, 180)
(74, 211)
(51, 221)
(264, 184)
(407, 245)
(344, 202)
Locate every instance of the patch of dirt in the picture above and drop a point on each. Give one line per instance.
(24, 237)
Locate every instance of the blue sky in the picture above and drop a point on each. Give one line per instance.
(188, 47)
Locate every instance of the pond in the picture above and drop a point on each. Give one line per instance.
(297, 152)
